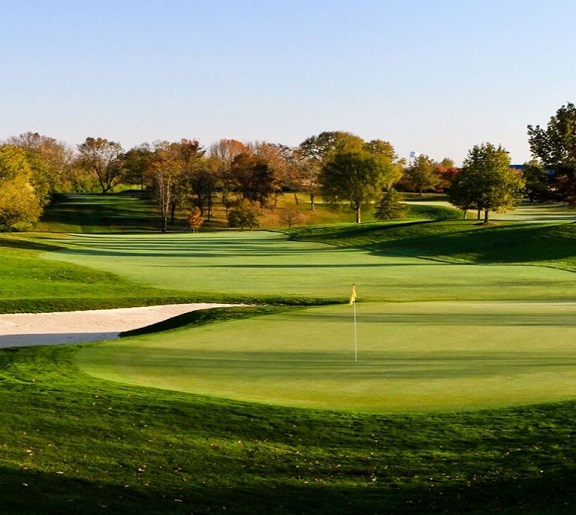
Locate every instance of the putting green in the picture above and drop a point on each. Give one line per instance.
(433, 356)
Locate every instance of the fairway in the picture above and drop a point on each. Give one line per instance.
(412, 357)
(260, 264)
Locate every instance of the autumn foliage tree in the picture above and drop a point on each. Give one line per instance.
(20, 206)
(103, 158)
(195, 220)
(291, 215)
(446, 172)
(163, 170)
(251, 178)
(51, 162)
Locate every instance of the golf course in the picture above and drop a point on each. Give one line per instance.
(449, 386)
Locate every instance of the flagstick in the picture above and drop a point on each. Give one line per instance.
(355, 336)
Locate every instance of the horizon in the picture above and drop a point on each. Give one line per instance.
(434, 78)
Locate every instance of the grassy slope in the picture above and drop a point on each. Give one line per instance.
(72, 443)
(552, 244)
(127, 211)
(31, 284)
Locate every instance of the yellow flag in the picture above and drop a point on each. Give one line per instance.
(353, 295)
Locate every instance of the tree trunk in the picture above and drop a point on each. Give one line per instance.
(210, 204)
(358, 216)
(486, 216)
(172, 212)
(312, 205)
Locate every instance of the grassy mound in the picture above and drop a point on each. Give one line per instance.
(461, 241)
(79, 444)
(31, 284)
(433, 212)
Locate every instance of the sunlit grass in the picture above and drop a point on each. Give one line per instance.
(411, 357)
(75, 443)
(266, 264)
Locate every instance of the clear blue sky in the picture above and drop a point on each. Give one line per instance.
(433, 76)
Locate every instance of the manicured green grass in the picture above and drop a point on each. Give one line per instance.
(550, 244)
(265, 264)
(412, 357)
(31, 284)
(75, 443)
(433, 212)
(72, 443)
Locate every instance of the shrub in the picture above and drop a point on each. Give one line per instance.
(390, 206)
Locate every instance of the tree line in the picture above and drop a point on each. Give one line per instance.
(339, 166)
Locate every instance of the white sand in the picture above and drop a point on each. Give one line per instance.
(20, 330)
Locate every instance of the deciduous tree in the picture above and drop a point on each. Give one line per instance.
(539, 182)
(202, 188)
(164, 172)
(486, 182)
(244, 215)
(279, 160)
(314, 151)
(555, 147)
(251, 178)
(195, 220)
(20, 207)
(102, 157)
(421, 174)
(135, 162)
(291, 215)
(357, 177)
(51, 162)
(446, 172)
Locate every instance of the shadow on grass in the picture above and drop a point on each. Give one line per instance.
(16, 243)
(456, 319)
(523, 243)
(28, 340)
(33, 492)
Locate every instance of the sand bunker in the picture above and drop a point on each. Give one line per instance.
(20, 330)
